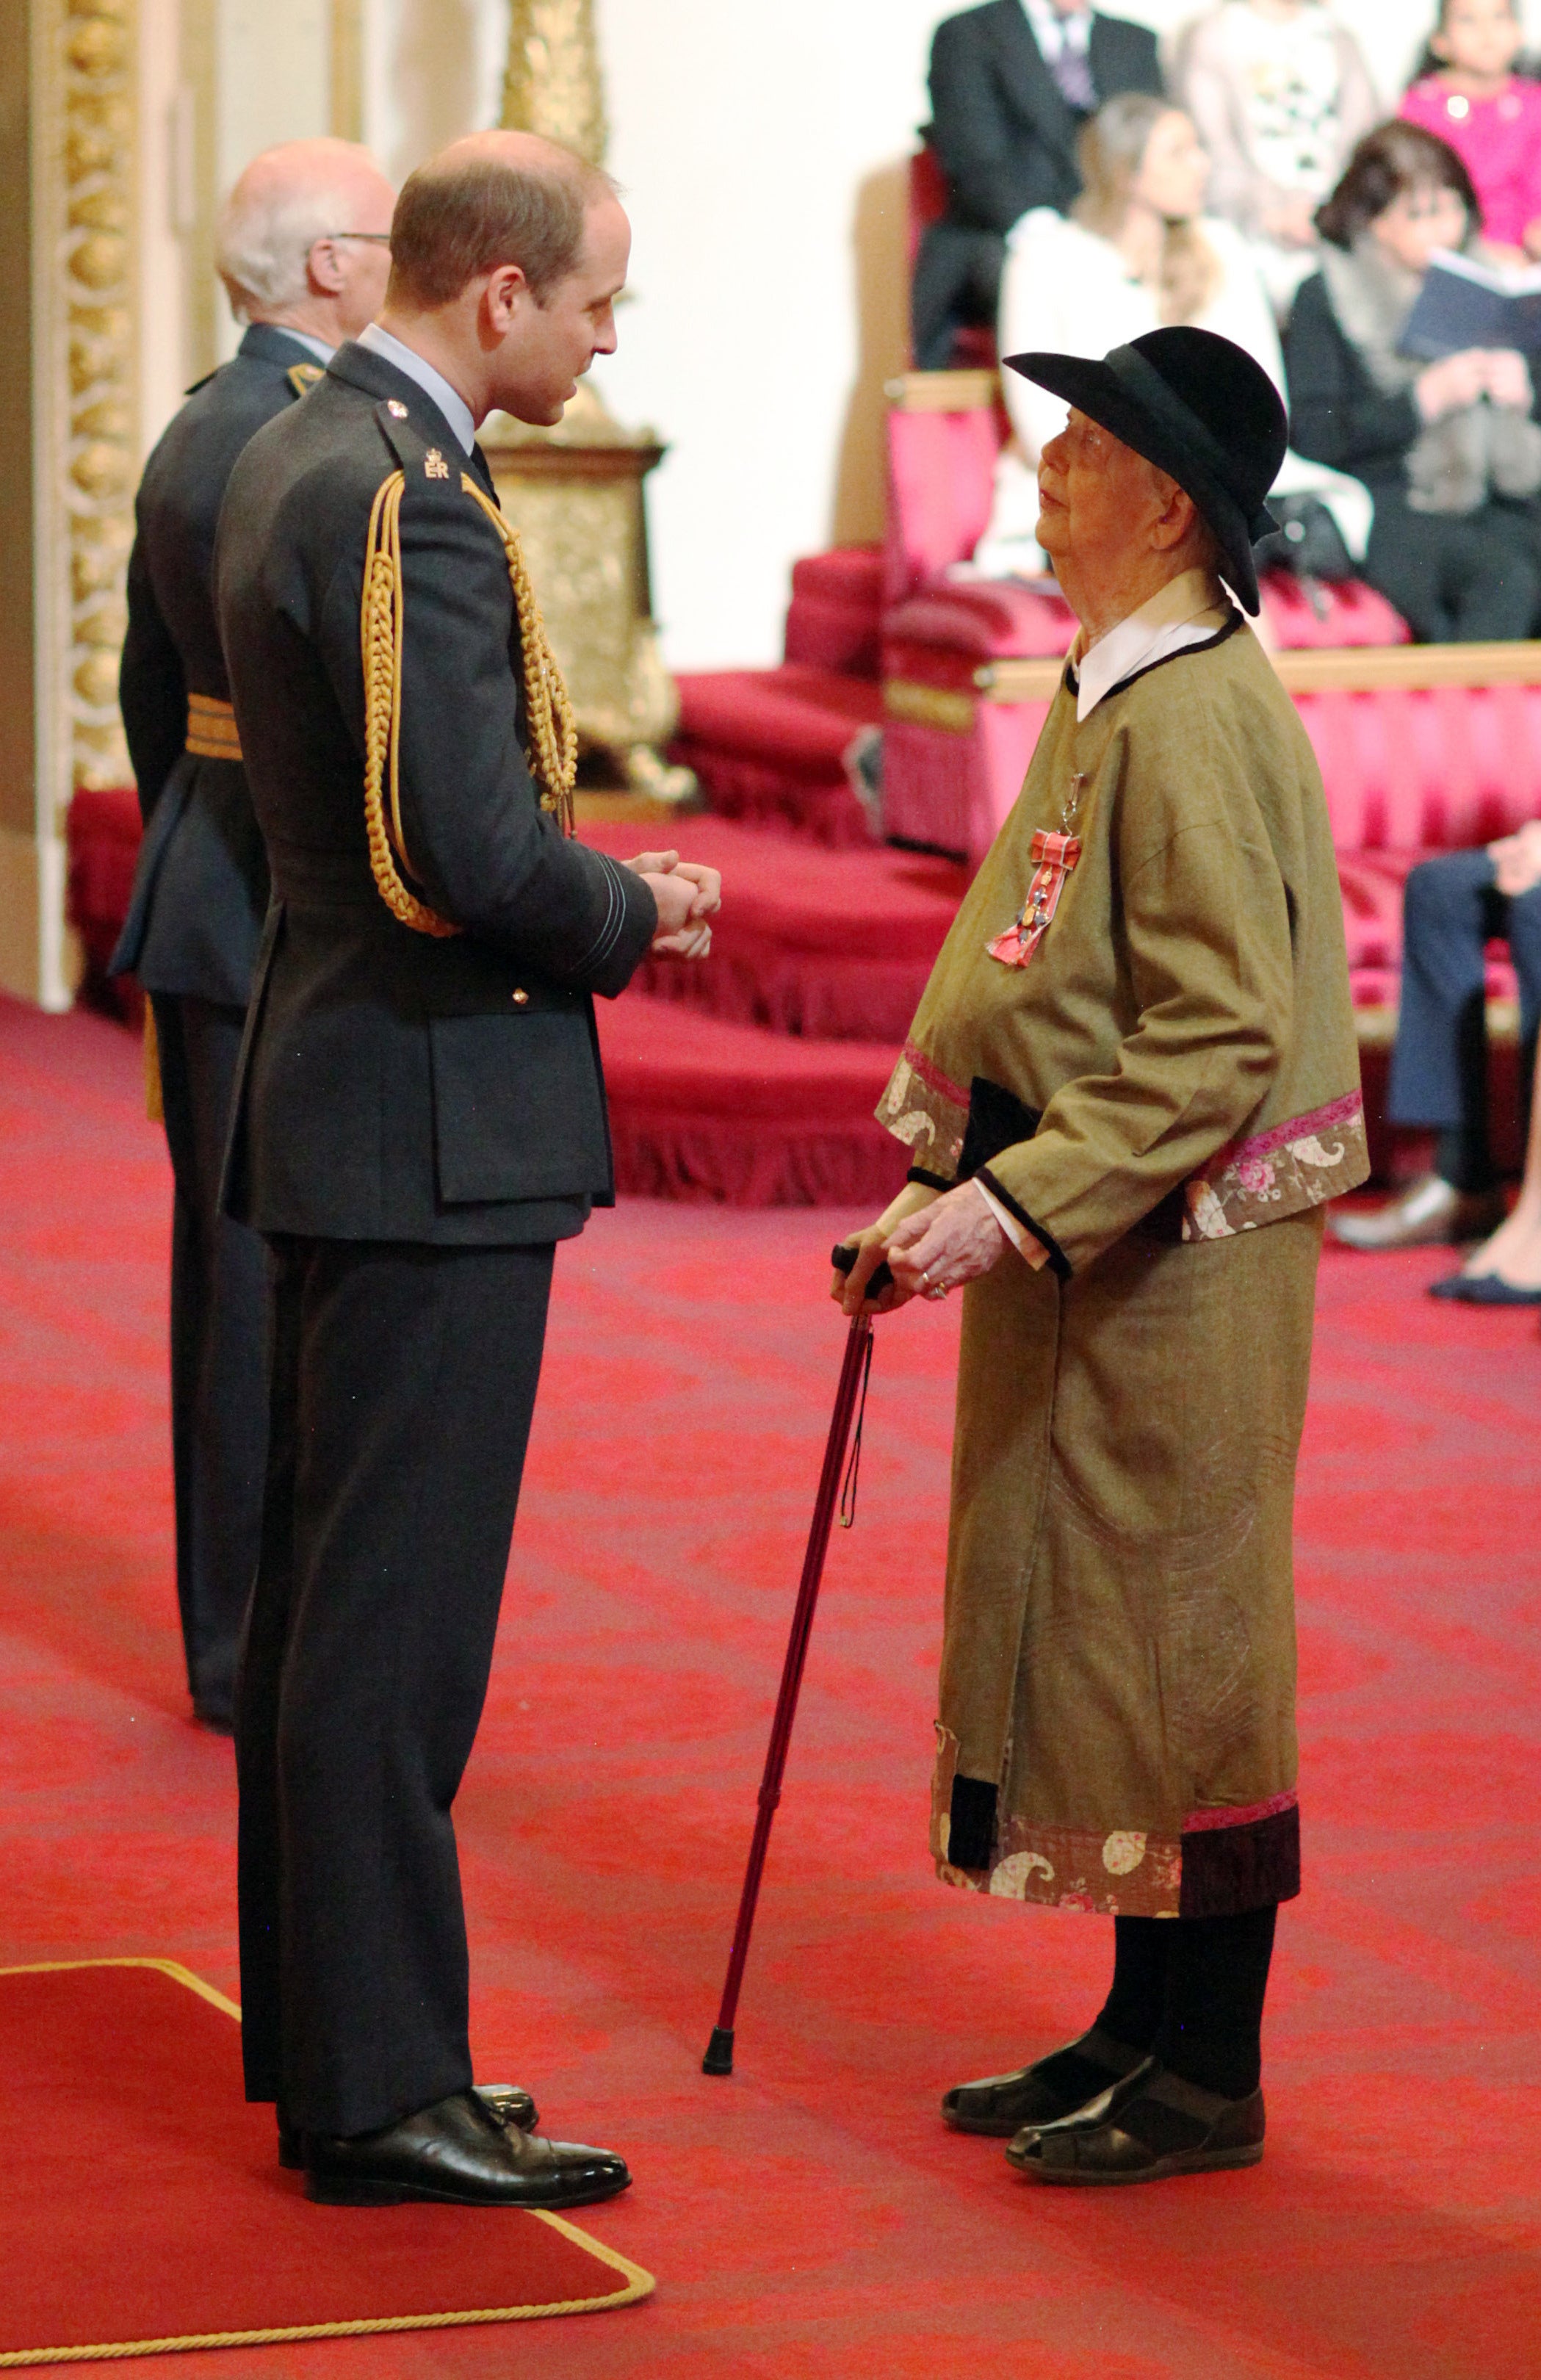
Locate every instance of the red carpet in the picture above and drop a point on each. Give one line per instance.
(160, 2244)
(811, 2219)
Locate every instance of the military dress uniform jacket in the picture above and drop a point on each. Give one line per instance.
(201, 888)
(395, 1085)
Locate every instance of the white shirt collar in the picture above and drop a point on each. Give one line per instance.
(319, 348)
(450, 402)
(1188, 611)
(1055, 33)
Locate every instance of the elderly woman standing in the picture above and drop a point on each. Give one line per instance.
(1129, 1087)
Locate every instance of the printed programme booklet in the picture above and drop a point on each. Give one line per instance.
(1465, 303)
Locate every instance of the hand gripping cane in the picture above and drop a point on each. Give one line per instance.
(853, 1381)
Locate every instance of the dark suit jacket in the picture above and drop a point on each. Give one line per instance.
(394, 1086)
(200, 890)
(1004, 134)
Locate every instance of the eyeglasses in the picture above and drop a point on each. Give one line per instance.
(375, 238)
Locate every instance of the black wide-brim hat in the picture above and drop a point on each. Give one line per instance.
(1202, 411)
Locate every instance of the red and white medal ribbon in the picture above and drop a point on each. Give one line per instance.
(1053, 856)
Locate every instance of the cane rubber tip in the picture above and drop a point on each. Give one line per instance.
(719, 2056)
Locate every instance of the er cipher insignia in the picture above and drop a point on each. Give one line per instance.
(434, 465)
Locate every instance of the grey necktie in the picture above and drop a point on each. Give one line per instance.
(1072, 71)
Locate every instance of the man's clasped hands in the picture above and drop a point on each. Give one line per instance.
(687, 894)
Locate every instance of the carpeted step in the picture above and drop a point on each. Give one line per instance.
(741, 1116)
(770, 745)
(835, 944)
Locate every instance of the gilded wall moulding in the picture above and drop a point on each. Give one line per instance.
(87, 363)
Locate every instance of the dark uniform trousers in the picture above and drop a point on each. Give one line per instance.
(191, 935)
(219, 1312)
(1452, 910)
(403, 1382)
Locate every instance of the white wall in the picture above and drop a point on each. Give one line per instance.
(165, 195)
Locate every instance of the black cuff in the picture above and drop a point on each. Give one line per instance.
(1059, 1263)
(930, 1180)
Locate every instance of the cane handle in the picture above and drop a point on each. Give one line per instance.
(845, 1259)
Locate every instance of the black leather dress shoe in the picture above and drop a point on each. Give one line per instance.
(1483, 1289)
(513, 2107)
(459, 2155)
(1002, 2104)
(1146, 2127)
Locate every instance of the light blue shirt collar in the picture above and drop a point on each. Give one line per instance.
(450, 404)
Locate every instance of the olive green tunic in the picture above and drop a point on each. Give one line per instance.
(1117, 1692)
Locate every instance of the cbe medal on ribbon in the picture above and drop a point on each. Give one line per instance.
(1054, 854)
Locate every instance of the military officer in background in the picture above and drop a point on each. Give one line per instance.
(419, 1118)
(303, 252)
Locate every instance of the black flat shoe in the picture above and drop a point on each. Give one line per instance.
(1001, 2105)
(1483, 1289)
(458, 2155)
(1148, 2128)
(513, 2109)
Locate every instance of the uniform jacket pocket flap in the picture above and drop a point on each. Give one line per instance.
(517, 1108)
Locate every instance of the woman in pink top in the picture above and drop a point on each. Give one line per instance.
(1470, 96)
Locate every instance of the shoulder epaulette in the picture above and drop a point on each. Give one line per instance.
(303, 376)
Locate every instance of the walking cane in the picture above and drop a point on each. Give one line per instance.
(852, 1389)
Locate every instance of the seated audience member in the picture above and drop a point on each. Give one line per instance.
(1449, 450)
(1455, 904)
(1467, 91)
(1010, 85)
(1135, 253)
(1279, 93)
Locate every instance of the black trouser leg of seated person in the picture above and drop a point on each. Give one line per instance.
(404, 1380)
(1456, 578)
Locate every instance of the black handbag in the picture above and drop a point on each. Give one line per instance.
(1307, 544)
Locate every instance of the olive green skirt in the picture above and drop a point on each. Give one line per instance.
(1117, 1703)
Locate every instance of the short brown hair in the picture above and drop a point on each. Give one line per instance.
(454, 222)
(1395, 158)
